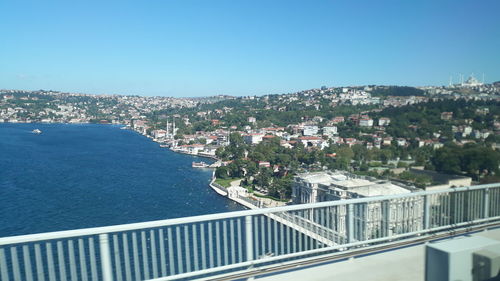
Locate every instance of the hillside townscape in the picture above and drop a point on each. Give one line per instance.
(413, 135)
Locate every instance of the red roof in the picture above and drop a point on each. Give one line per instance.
(310, 138)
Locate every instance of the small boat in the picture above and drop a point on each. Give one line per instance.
(199, 165)
(36, 131)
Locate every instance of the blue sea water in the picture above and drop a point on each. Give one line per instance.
(78, 176)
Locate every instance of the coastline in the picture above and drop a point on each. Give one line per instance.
(222, 191)
(217, 188)
(244, 201)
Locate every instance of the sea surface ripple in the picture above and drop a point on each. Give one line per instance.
(79, 176)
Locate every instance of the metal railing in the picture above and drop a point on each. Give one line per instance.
(210, 245)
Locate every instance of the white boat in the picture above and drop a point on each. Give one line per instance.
(200, 165)
(36, 131)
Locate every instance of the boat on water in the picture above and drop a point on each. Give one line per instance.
(36, 131)
(199, 165)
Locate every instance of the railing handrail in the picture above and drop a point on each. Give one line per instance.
(226, 215)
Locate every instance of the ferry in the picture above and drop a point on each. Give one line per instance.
(36, 131)
(199, 165)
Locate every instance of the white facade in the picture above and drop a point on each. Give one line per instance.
(253, 138)
(157, 134)
(310, 130)
(401, 215)
(329, 131)
(384, 121)
(366, 122)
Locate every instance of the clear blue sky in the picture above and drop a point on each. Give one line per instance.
(237, 47)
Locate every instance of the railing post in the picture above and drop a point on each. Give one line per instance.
(350, 223)
(107, 274)
(427, 209)
(249, 237)
(486, 199)
(386, 211)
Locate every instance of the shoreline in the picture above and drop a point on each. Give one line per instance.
(222, 191)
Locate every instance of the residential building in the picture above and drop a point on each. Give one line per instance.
(366, 122)
(330, 130)
(310, 130)
(384, 121)
(447, 116)
(253, 138)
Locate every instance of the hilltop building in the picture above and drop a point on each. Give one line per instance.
(471, 82)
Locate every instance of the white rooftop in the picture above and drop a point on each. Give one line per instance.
(362, 187)
(349, 183)
(322, 177)
(379, 189)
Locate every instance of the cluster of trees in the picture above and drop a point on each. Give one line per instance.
(474, 160)
(286, 162)
(426, 118)
(397, 91)
(276, 179)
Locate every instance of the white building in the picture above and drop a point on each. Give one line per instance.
(366, 122)
(157, 134)
(383, 121)
(401, 142)
(310, 130)
(253, 138)
(312, 141)
(401, 215)
(329, 131)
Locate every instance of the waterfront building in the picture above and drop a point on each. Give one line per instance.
(158, 134)
(402, 214)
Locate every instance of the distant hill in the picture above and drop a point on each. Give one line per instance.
(397, 91)
(496, 84)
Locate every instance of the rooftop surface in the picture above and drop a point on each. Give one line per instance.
(403, 264)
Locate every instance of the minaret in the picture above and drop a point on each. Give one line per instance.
(168, 126)
(173, 125)
(451, 81)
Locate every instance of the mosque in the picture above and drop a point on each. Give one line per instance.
(469, 83)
